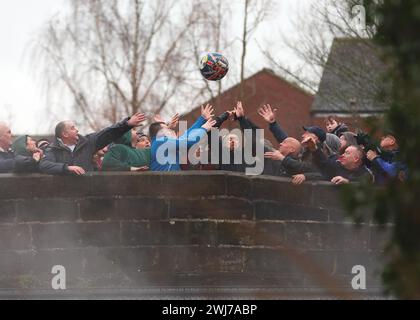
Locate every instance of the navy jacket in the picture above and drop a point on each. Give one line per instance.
(387, 167)
(58, 156)
(330, 168)
(11, 162)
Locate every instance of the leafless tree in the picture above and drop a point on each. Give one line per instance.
(351, 76)
(255, 12)
(115, 57)
(6, 114)
(317, 27)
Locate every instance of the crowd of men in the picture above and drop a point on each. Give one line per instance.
(334, 154)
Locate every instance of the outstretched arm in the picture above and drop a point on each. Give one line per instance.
(244, 122)
(110, 134)
(49, 164)
(269, 116)
(206, 114)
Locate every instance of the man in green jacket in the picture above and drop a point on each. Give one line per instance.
(123, 156)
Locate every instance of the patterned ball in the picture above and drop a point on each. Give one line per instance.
(213, 66)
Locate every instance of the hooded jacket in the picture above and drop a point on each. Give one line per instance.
(59, 157)
(19, 159)
(122, 156)
(19, 146)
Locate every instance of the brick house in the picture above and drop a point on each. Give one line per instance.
(292, 102)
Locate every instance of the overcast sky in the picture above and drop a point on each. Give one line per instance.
(22, 103)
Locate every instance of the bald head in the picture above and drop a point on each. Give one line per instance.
(5, 136)
(290, 146)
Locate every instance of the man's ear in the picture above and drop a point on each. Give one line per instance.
(394, 141)
(292, 150)
(65, 134)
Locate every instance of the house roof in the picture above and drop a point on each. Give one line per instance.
(255, 75)
(352, 79)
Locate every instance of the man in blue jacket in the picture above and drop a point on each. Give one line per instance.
(167, 148)
(387, 166)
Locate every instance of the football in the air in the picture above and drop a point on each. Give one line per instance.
(213, 66)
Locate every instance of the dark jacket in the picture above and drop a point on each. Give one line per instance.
(277, 132)
(289, 166)
(11, 162)
(341, 128)
(58, 156)
(330, 168)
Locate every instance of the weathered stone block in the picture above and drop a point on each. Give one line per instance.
(281, 190)
(15, 237)
(250, 233)
(269, 210)
(325, 236)
(142, 208)
(219, 208)
(98, 209)
(47, 210)
(239, 186)
(167, 233)
(56, 235)
(114, 184)
(7, 212)
(194, 185)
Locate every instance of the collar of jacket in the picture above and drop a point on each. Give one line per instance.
(57, 144)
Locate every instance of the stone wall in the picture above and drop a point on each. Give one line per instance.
(181, 234)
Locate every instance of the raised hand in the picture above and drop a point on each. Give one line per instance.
(136, 119)
(267, 113)
(371, 155)
(275, 155)
(239, 110)
(76, 170)
(174, 121)
(232, 115)
(207, 111)
(37, 156)
(309, 143)
(209, 124)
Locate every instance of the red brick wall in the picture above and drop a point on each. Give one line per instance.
(293, 104)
